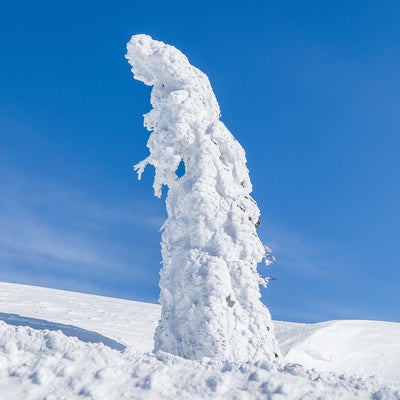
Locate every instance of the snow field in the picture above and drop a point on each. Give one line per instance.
(41, 363)
(49, 365)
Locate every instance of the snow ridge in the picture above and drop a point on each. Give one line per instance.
(209, 283)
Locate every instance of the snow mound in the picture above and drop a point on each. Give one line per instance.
(367, 348)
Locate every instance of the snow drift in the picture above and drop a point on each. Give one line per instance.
(209, 282)
(366, 348)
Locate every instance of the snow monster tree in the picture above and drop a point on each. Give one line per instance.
(210, 297)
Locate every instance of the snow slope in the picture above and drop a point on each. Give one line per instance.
(126, 323)
(63, 345)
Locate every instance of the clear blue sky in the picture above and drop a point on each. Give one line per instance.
(310, 89)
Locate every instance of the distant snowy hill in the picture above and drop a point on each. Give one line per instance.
(63, 345)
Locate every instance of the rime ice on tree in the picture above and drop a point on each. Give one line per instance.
(209, 283)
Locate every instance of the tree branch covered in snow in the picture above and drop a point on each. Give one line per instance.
(209, 283)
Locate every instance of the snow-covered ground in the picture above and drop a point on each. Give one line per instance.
(63, 345)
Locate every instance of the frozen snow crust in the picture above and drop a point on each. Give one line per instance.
(37, 364)
(209, 282)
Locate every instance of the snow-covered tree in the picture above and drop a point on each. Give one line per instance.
(210, 295)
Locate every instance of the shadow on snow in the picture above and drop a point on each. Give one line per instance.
(68, 330)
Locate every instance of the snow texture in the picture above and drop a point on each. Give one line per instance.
(38, 362)
(209, 282)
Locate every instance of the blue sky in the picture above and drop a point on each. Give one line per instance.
(310, 89)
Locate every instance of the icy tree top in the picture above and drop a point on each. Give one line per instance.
(184, 110)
